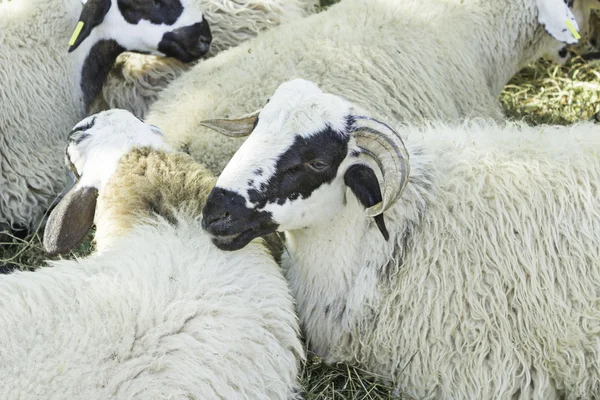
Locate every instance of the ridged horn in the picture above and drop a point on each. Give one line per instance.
(238, 127)
(386, 148)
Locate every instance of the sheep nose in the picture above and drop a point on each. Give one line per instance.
(216, 222)
(217, 214)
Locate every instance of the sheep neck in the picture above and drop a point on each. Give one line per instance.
(338, 262)
(95, 68)
(509, 47)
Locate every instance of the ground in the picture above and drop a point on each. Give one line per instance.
(540, 94)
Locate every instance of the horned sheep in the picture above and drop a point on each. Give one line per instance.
(414, 60)
(157, 311)
(481, 282)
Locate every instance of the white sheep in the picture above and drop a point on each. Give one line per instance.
(136, 79)
(158, 312)
(45, 90)
(482, 282)
(414, 60)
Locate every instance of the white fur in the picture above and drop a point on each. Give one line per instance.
(414, 60)
(158, 313)
(488, 286)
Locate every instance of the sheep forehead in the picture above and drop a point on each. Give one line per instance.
(297, 109)
(99, 141)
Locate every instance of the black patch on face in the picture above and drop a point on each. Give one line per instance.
(232, 224)
(156, 11)
(78, 134)
(293, 176)
(188, 43)
(96, 67)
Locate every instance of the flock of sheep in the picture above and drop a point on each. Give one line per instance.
(448, 251)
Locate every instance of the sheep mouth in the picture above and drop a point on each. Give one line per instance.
(240, 240)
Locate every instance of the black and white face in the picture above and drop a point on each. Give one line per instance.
(173, 28)
(567, 22)
(293, 171)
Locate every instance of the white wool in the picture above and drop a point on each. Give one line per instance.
(161, 314)
(158, 311)
(488, 284)
(414, 60)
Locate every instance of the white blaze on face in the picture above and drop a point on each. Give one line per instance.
(96, 151)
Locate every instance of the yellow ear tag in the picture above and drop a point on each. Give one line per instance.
(76, 33)
(573, 30)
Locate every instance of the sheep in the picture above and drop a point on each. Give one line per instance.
(481, 282)
(45, 90)
(136, 79)
(416, 61)
(157, 311)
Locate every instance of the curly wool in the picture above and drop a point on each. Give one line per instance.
(158, 311)
(448, 60)
(136, 80)
(488, 286)
(32, 132)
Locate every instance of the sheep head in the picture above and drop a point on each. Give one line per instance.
(174, 28)
(95, 146)
(306, 150)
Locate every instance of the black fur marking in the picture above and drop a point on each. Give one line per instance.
(327, 308)
(258, 172)
(563, 52)
(362, 180)
(156, 11)
(188, 43)
(293, 178)
(92, 15)
(96, 67)
(225, 214)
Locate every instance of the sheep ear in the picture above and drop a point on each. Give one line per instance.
(238, 127)
(91, 16)
(70, 221)
(558, 20)
(365, 186)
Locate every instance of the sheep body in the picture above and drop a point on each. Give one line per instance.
(488, 285)
(485, 283)
(157, 311)
(162, 314)
(406, 59)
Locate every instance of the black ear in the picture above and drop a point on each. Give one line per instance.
(70, 220)
(91, 16)
(365, 186)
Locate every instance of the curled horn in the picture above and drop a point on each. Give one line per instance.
(387, 149)
(239, 127)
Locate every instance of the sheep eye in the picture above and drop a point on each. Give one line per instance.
(317, 165)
